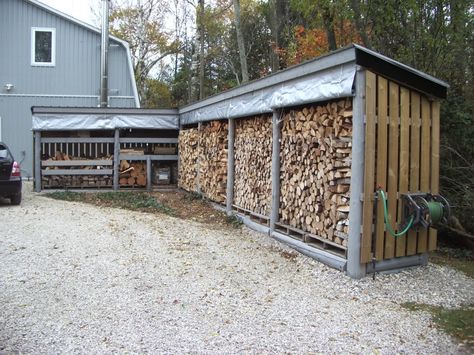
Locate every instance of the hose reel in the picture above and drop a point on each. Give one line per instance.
(428, 210)
(419, 210)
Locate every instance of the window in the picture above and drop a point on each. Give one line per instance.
(43, 46)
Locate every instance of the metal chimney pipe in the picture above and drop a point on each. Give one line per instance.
(104, 54)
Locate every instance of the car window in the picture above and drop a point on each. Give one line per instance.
(3, 152)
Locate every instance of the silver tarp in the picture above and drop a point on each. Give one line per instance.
(329, 84)
(67, 122)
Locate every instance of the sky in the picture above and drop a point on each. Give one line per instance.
(80, 9)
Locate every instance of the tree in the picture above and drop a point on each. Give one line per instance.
(157, 94)
(141, 24)
(240, 42)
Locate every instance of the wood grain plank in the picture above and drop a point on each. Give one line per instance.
(369, 167)
(381, 179)
(392, 186)
(435, 123)
(425, 162)
(400, 242)
(414, 183)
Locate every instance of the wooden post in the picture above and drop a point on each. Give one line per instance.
(37, 161)
(354, 267)
(116, 158)
(276, 132)
(148, 173)
(230, 166)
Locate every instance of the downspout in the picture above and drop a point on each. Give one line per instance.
(104, 54)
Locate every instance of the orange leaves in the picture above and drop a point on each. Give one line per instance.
(311, 43)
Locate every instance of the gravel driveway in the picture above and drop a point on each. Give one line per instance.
(76, 278)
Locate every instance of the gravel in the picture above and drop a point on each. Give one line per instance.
(76, 278)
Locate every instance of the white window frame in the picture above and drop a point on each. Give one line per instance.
(53, 46)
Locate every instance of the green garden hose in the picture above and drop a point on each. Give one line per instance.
(387, 218)
(436, 211)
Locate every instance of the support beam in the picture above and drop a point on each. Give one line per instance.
(37, 161)
(116, 158)
(355, 269)
(198, 165)
(230, 167)
(148, 173)
(276, 125)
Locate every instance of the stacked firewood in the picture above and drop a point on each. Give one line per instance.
(213, 160)
(316, 169)
(132, 174)
(188, 157)
(253, 160)
(77, 181)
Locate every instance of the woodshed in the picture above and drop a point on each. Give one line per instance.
(299, 155)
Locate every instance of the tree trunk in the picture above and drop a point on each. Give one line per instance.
(359, 25)
(200, 20)
(278, 20)
(328, 20)
(240, 42)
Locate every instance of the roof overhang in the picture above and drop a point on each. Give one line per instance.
(400, 73)
(324, 78)
(92, 118)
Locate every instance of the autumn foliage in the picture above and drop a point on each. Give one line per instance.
(311, 43)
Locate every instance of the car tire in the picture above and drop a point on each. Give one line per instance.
(15, 199)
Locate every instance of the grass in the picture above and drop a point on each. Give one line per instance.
(234, 221)
(127, 200)
(459, 259)
(66, 195)
(194, 196)
(458, 323)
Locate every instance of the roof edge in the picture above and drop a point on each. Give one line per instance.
(400, 72)
(101, 110)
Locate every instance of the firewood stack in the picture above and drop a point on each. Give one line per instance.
(213, 160)
(77, 181)
(188, 156)
(253, 160)
(316, 169)
(132, 174)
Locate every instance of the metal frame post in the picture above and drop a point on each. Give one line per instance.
(230, 166)
(37, 161)
(355, 269)
(198, 163)
(116, 158)
(148, 173)
(276, 133)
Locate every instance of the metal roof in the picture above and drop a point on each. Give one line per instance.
(400, 72)
(102, 111)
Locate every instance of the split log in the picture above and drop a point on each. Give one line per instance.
(316, 153)
(188, 157)
(213, 160)
(253, 160)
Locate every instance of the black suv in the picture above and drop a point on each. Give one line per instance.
(10, 176)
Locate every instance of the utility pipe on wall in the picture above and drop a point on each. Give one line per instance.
(104, 53)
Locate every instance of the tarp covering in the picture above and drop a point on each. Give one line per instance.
(67, 122)
(329, 84)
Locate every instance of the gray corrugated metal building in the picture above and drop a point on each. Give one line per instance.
(51, 59)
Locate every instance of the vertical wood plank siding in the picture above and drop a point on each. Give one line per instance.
(381, 177)
(414, 184)
(369, 169)
(435, 123)
(401, 155)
